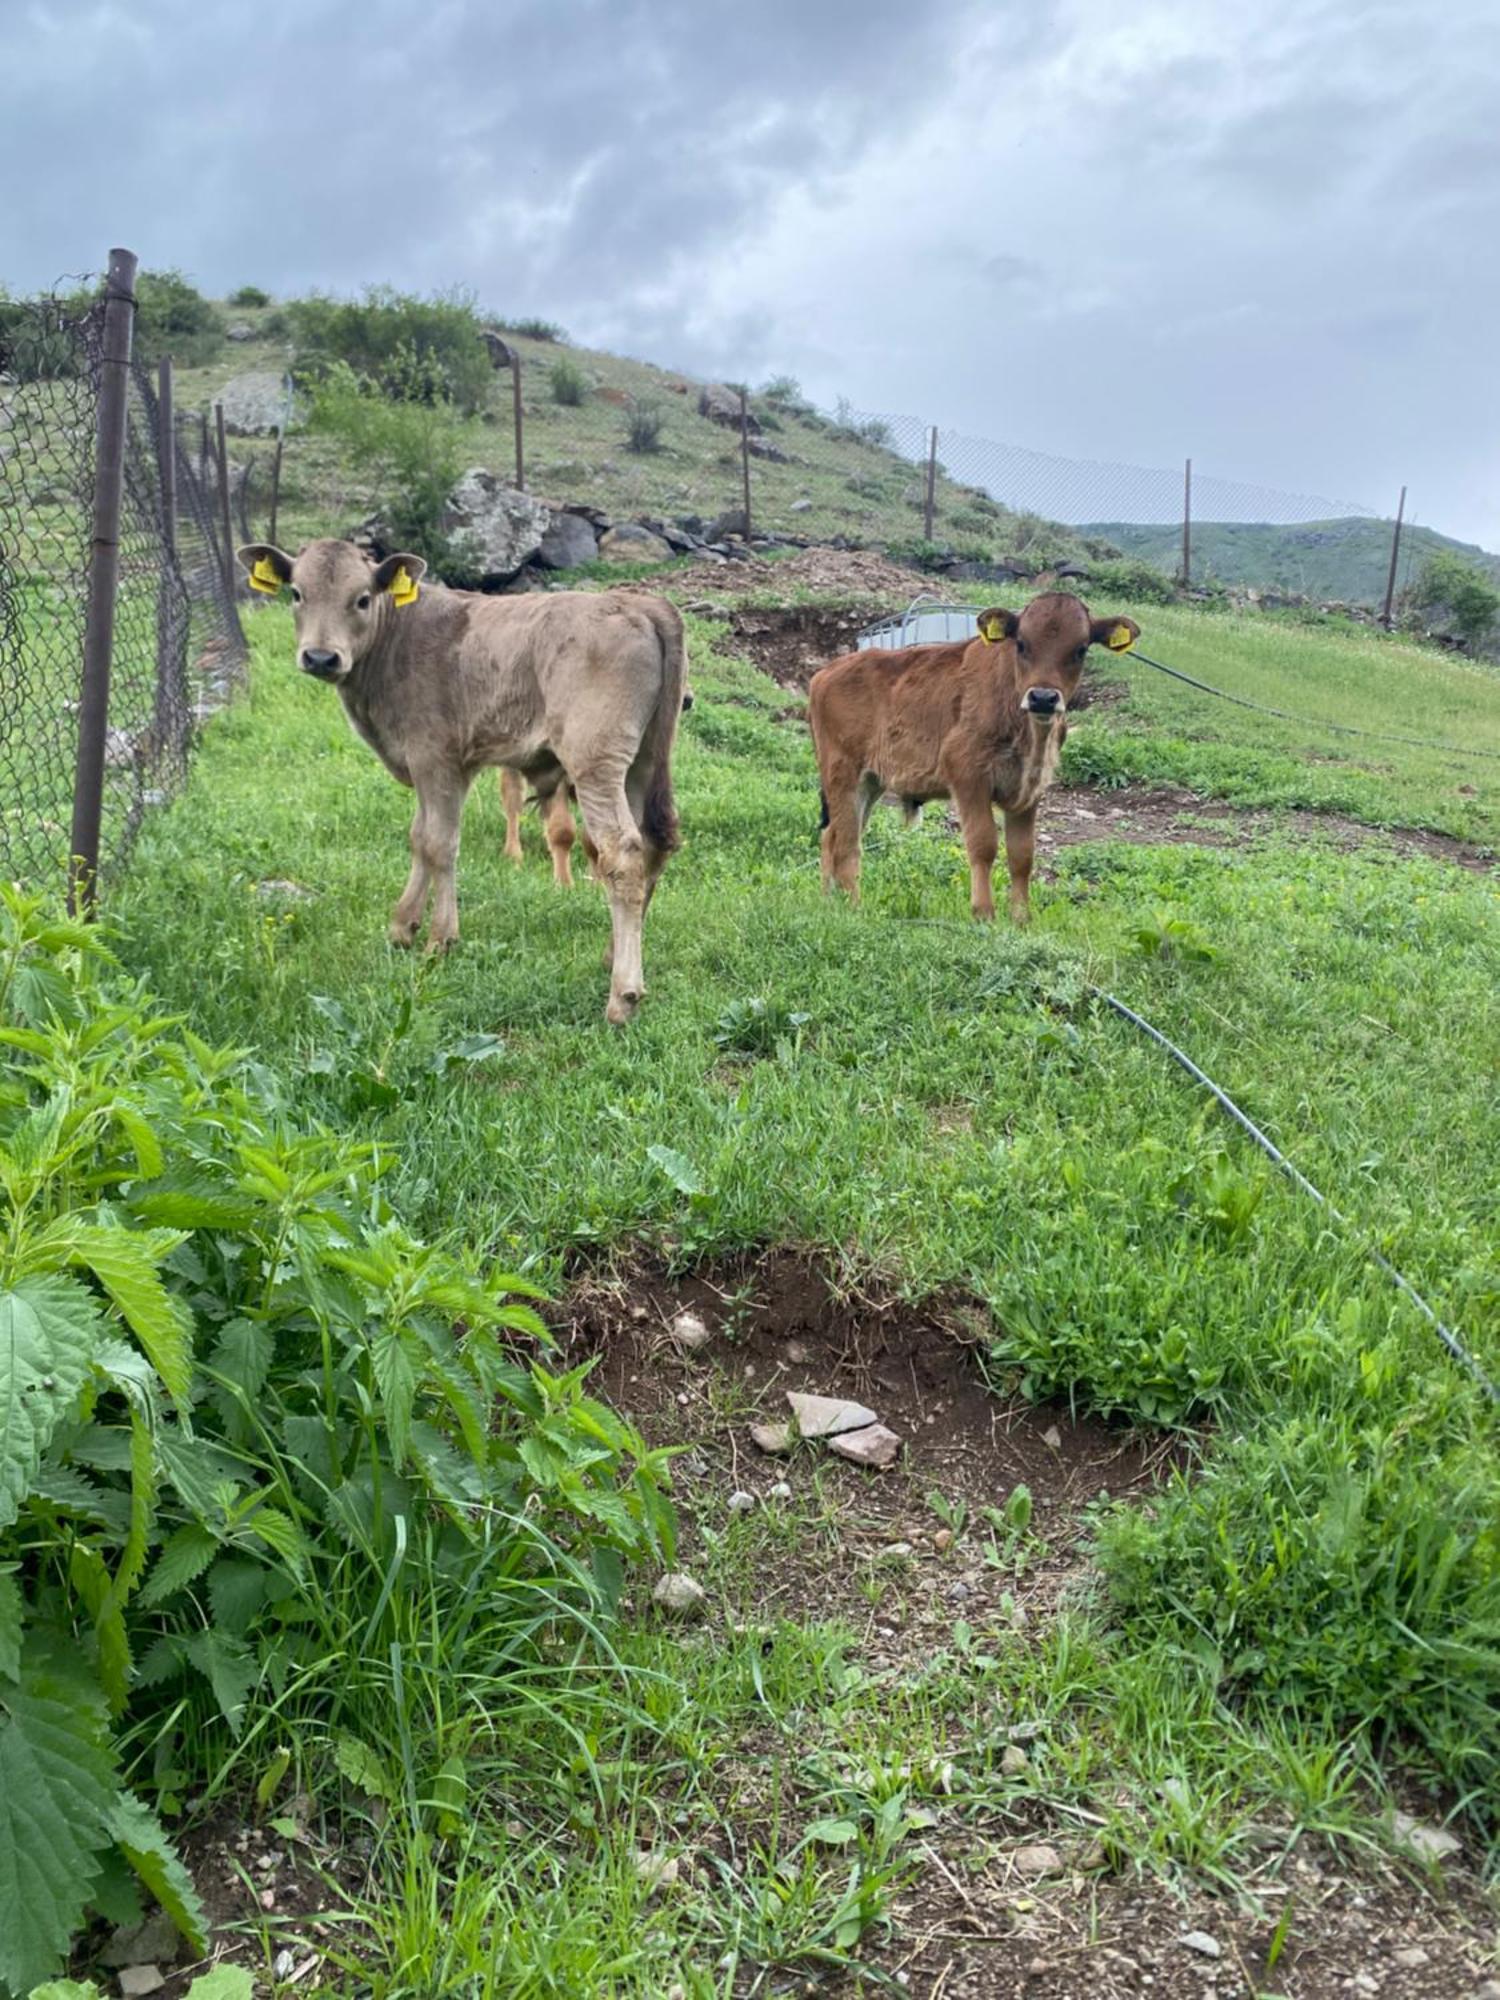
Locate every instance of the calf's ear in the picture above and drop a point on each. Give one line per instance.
(400, 575)
(997, 624)
(1119, 634)
(267, 567)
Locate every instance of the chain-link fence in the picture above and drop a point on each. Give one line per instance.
(178, 650)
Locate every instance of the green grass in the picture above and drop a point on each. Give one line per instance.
(1307, 1615)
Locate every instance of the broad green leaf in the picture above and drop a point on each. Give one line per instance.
(363, 1768)
(56, 1792)
(143, 1141)
(143, 1842)
(125, 1368)
(188, 1553)
(65, 1989)
(10, 1624)
(279, 1532)
(243, 1354)
(237, 1590)
(124, 1261)
(48, 1329)
(142, 1508)
(224, 1982)
(678, 1169)
(833, 1832)
(396, 1378)
(91, 1580)
(194, 1205)
(230, 1669)
(198, 1470)
(63, 1487)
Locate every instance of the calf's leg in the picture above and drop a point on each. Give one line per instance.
(1020, 852)
(845, 807)
(976, 818)
(434, 858)
(513, 799)
(406, 917)
(557, 818)
(621, 866)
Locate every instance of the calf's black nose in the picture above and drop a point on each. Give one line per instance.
(316, 661)
(1045, 699)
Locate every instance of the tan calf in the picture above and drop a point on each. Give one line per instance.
(573, 690)
(981, 722)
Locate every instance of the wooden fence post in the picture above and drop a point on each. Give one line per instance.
(103, 584)
(515, 380)
(927, 511)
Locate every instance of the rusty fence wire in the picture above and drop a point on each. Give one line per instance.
(179, 650)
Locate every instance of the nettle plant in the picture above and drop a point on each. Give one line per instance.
(253, 1435)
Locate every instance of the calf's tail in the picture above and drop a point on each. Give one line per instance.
(659, 810)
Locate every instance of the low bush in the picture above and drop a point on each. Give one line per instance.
(412, 454)
(568, 382)
(250, 296)
(643, 426)
(258, 1443)
(426, 351)
(173, 317)
(1130, 580)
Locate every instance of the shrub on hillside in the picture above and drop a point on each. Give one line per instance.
(259, 1441)
(534, 329)
(411, 350)
(568, 382)
(413, 455)
(1131, 581)
(1471, 599)
(643, 426)
(250, 296)
(173, 317)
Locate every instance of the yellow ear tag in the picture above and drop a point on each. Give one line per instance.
(403, 590)
(263, 577)
(990, 631)
(1121, 639)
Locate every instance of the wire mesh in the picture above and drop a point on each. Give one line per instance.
(178, 647)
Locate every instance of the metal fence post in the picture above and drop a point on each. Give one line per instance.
(275, 487)
(1390, 582)
(104, 576)
(927, 511)
(515, 383)
(745, 455)
(166, 453)
(227, 558)
(1187, 524)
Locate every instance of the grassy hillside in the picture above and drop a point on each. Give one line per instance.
(1344, 561)
(1220, 1688)
(838, 479)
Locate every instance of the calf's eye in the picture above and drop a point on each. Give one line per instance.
(364, 602)
(296, 595)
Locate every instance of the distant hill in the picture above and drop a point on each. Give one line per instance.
(1344, 561)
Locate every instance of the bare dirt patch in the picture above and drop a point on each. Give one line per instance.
(836, 572)
(1152, 815)
(777, 1324)
(868, 1548)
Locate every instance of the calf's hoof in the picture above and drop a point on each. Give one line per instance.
(402, 935)
(439, 945)
(620, 1008)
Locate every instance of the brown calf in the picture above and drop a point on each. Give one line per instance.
(980, 722)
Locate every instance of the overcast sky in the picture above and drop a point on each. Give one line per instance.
(1263, 232)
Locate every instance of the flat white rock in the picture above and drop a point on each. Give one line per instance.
(827, 1416)
(874, 1445)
